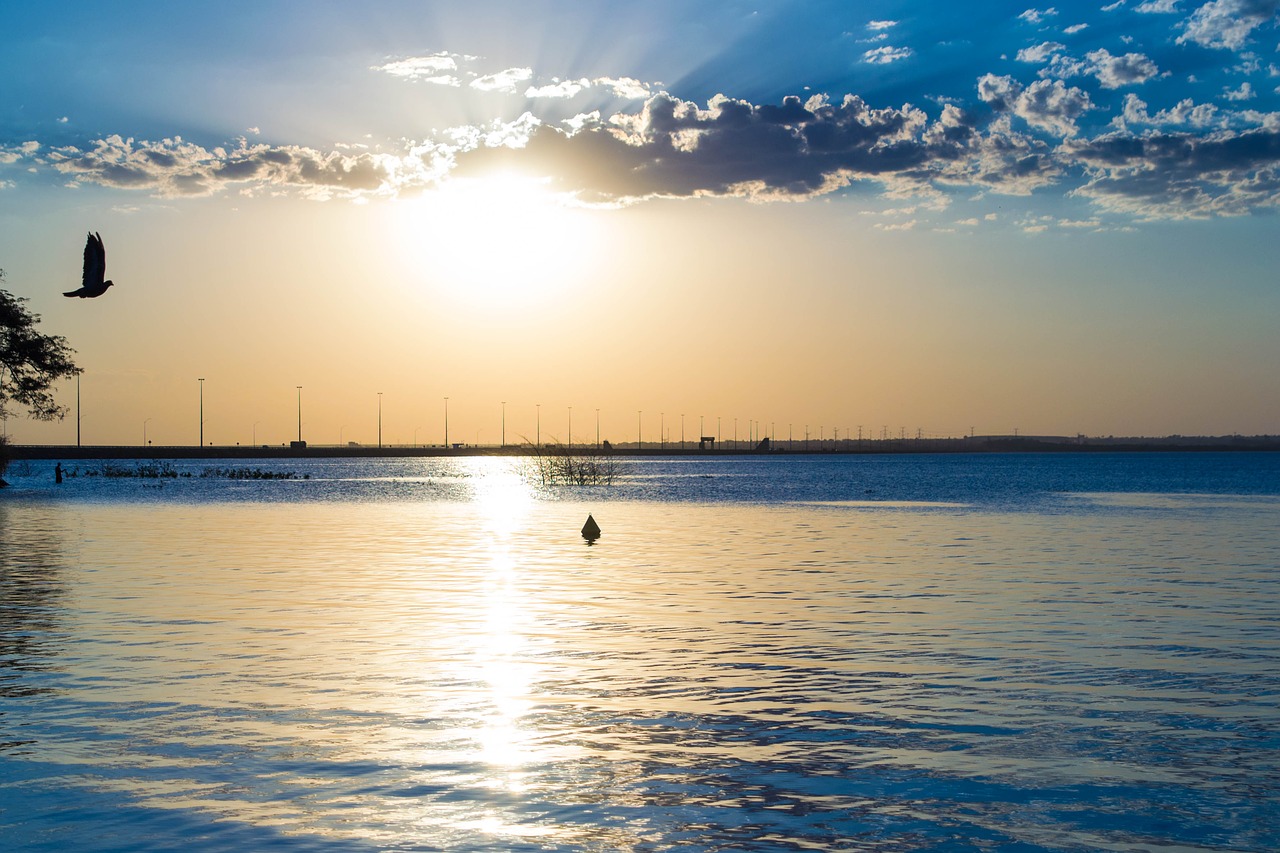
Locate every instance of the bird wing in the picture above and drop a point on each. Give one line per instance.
(95, 262)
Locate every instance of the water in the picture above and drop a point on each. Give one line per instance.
(912, 653)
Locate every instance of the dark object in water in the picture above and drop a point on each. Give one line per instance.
(590, 530)
(93, 283)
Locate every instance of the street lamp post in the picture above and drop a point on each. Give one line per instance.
(379, 421)
(446, 423)
(504, 424)
(201, 381)
(144, 431)
(597, 429)
(538, 435)
(639, 430)
(570, 446)
(299, 414)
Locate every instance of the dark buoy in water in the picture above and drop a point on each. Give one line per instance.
(590, 530)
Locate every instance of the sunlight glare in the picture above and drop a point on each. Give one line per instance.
(504, 238)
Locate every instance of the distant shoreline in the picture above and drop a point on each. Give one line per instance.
(850, 447)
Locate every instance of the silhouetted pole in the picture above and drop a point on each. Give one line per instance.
(379, 422)
(597, 429)
(682, 430)
(639, 434)
(201, 381)
(538, 434)
(504, 424)
(144, 432)
(662, 431)
(446, 422)
(570, 428)
(299, 414)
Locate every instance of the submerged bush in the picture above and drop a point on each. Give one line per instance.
(556, 465)
(250, 474)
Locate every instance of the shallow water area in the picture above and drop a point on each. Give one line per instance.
(439, 661)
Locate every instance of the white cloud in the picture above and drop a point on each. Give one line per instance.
(1227, 23)
(63, 120)
(175, 167)
(1040, 52)
(885, 55)
(1111, 71)
(1075, 28)
(434, 68)
(1158, 7)
(626, 87)
(1185, 113)
(557, 89)
(1112, 7)
(881, 25)
(502, 81)
(1046, 104)
(1244, 93)
(1116, 71)
(1036, 16)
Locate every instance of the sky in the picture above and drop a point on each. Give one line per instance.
(733, 218)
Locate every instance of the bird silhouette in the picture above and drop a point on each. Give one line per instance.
(95, 270)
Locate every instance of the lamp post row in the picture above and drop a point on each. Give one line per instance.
(503, 439)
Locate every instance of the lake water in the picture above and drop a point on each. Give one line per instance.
(1013, 653)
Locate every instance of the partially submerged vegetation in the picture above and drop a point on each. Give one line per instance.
(557, 465)
(166, 470)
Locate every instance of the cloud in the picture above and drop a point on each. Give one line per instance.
(1181, 176)
(628, 88)
(1036, 16)
(1190, 159)
(1041, 52)
(174, 167)
(1075, 28)
(557, 89)
(1046, 104)
(885, 55)
(437, 68)
(1111, 71)
(503, 81)
(1116, 71)
(1244, 93)
(1227, 23)
(881, 25)
(792, 151)
(1157, 7)
(1186, 113)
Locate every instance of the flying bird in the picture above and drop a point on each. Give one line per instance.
(95, 270)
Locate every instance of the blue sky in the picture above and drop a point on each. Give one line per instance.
(1142, 109)
(1137, 141)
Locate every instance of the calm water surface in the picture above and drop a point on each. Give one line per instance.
(919, 653)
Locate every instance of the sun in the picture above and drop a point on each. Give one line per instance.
(503, 237)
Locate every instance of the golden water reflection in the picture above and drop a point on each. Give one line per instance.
(427, 673)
